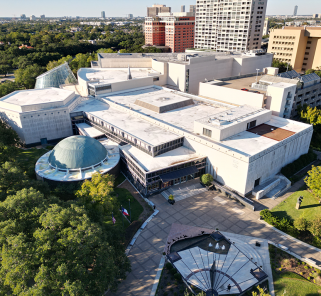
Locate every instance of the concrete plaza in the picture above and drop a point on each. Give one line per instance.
(209, 209)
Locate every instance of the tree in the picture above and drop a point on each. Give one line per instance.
(27, 77)
(313, 180)
(4, 69)
(301, 224)
(311, 115)
(96, 194)
(207, 179)
(13, 179)
(315, 226)
(283, 66)
(9, 140)
(48, 247)
(261, 292)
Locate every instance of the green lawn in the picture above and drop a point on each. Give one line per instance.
(310, 206)
(294, 285)
(27, 159)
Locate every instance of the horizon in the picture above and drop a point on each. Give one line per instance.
(138, 8)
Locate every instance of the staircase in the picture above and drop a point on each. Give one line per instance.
(272, 188)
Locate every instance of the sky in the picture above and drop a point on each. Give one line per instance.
(120, 8)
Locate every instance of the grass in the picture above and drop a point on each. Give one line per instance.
(288, 282)
(27, 159)
(310, 207)
(120, 179)
(293, 286)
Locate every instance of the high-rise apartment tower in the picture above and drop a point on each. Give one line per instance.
(295, 12)
(229, 25)
(103, 14)
(192, 8)
(183, 8)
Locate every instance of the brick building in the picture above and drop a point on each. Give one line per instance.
(175, 30)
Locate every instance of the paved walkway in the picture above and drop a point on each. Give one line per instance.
(201, 210)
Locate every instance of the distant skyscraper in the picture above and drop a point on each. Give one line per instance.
(42, 16)
(103, 14)
(295, 13)
(239, 30)
(183, 8)
(130, 15)
(32, 18)
(23, 16)
(192, 8)
(156, 9)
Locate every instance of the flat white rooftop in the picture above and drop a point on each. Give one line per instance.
(113, 75)
(182, 118)
(133, 125)
(37, 96)
(252, 144)
(173, 157)
(234, 115)
(88, 130)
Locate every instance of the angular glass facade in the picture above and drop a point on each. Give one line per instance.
(56, 77)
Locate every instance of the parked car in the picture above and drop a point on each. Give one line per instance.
(244, 89)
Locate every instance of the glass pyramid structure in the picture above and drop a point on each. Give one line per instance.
(215, 265)
(56, 77)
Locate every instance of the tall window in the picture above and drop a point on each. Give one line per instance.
(207, 132)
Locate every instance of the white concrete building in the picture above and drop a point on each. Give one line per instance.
(180, 71)
(39, 115)
(173, 137)
(229, 25)
(280, 93)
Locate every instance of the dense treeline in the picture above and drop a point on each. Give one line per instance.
(49, 43)
(51, 245)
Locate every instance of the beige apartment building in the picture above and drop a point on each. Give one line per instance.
(298, 46)
(156, 9)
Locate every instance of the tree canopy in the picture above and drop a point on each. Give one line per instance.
(50, 247)
(283, 66)
(313, 180)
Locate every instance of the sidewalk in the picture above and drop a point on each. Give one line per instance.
(208, 210)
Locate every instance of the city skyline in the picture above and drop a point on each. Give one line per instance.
(61, 8)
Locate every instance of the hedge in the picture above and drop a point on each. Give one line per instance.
(297, 165)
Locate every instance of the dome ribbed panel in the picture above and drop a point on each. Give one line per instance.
(77, 152)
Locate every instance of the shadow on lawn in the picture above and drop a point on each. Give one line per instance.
(310, 206)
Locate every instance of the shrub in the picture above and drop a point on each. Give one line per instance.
(301, 273)
(171, 197)
(315, 226)
(207, 179)
(306, 267)
(290, 169)
(177, 276)
(173, 271)
(301, 224)
(168, 266)
(308, 278)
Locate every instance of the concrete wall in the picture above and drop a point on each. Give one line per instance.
(249, 65)
(269, 162)
(232, 129)
(207, 68)
(176, 75)
(223, 167)
(13, 119)
(51, 124)
(124, 62)
(229, 95)
(277, 94)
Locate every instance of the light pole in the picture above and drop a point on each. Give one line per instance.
(130, 212)
(257, 74)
